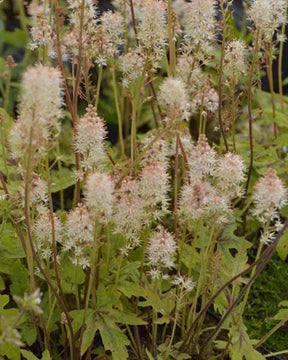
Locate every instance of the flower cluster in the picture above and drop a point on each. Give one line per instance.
(43, 231)
(213, 182)
(152, 28)
(199, 38)
(78, 236)
(174, 98)
(89, 140)
(235, 59)
(267, 16)
(154, 178)
(41, 30)
(270, 195)
(99, 196)
(129, 210)
(132, 64)
(161, 249)
(39, 109)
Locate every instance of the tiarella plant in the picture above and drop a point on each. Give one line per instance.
(147, 248)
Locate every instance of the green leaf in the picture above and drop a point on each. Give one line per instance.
(11, 352)
(19, 277)
(16, 38)
(131, 289)
(2, 284)
(28, 355)
(62, 180)
(241, 345)
(46, 355)
(71, 275)
(28, 332)
(282, 246)
(90, 326)
(107, 297)
(125, 318)
(113, 338)
(189, 256)
(8, 120)
(10, 244)
(8, 313)
(150, 357)
(282, 313)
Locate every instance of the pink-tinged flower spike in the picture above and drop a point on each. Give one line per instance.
(154, 179)
(113, 28)
(90, 138)
(99, 196)
(38, 193)
(202, 159)
(161, 249)
(87, 22)
(200, 37)
(43, 234)
(78, 236)
(41, 30)
(41, 94)
(174, 98)
(39, 108)
(195, 200)
(206, 98)
(230, 174)
(270, 195)
(151, 24)
(129, 211)
(154, 188)
(267, 16)
(159, 151)
(235, 60)
(189, 72)
(131, 65)
(186, 141)
(199, 201)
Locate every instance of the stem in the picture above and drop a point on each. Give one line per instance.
(154, 324)
(60, 177)
(270, 333)
(133, 21)
(249, 103)
(22, 17)
(99, 80)
(7, 90)
(220, 83)
(54, 245)
(271, 86)
(175, 323)
(119, 117)
(259, 250)
(233, 112)
(71, 105)
(118, 271)
(59, 299)
(135, 105)
(280, 67)
(75, 95)
(87, 81)
(171, 42)
(176, 186)
(276, 353)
